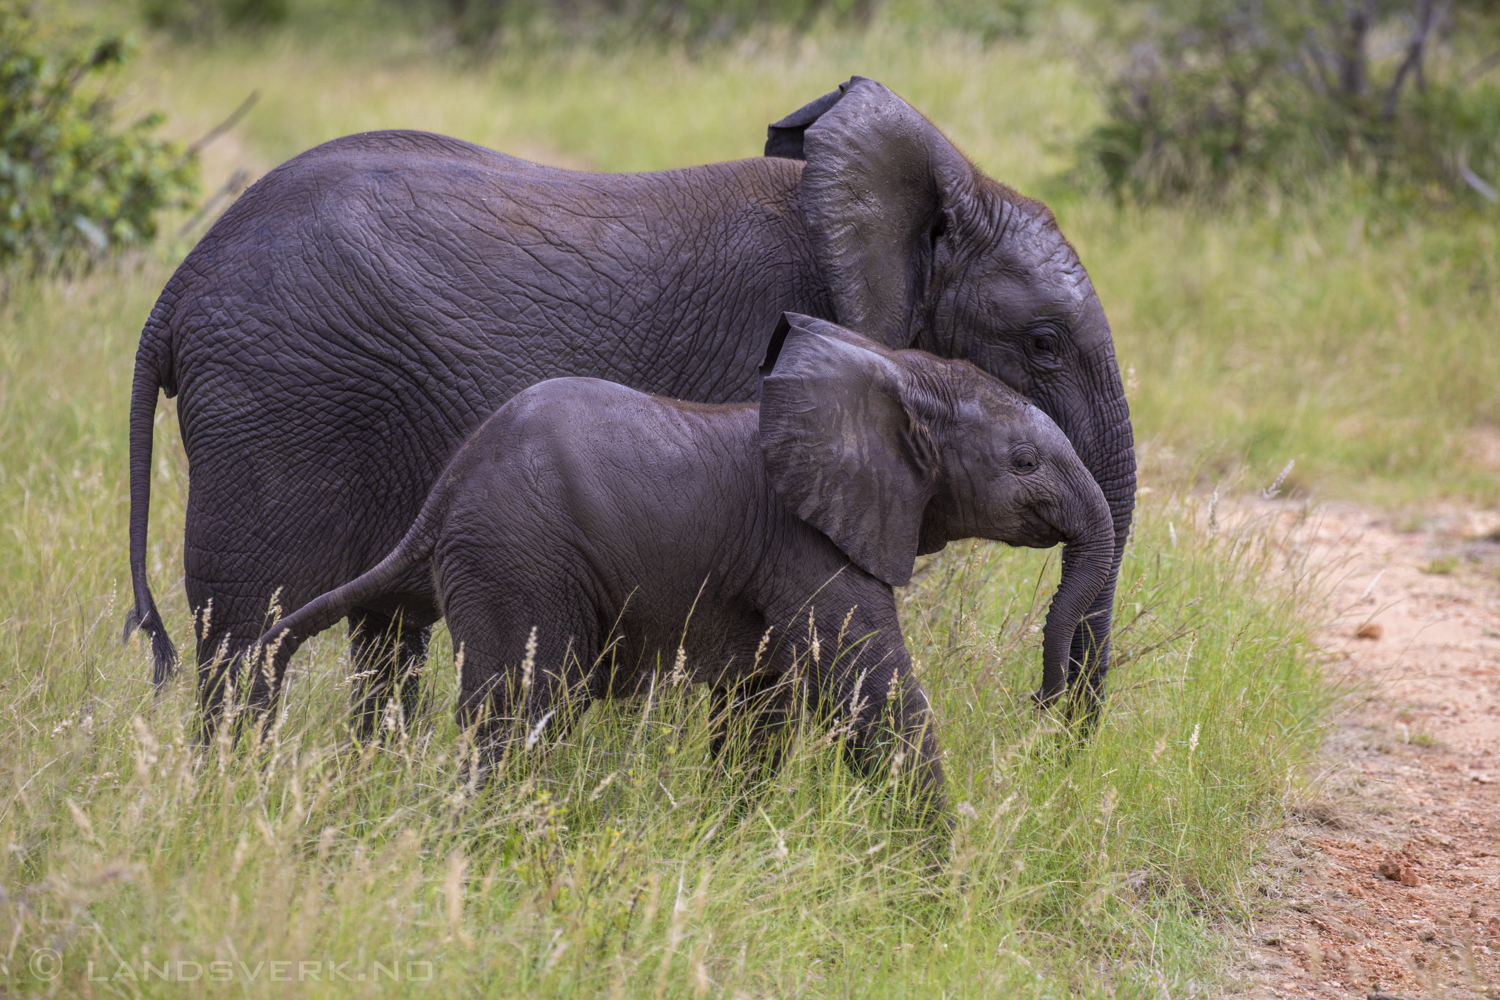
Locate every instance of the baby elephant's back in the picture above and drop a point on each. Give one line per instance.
(633, 484)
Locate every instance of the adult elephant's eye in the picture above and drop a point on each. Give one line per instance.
(1023, 459)
(1043, 344)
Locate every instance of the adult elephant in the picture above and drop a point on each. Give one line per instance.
(340, 330)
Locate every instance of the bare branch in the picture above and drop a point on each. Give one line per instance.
(226, 124)
(1485, 191)
(1430, 14)
(231, 189)
(1486, 64)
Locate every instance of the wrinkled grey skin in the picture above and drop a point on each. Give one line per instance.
(344, 326)
(606, 519)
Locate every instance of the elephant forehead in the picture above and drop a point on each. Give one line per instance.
(1025, 246)
(1039, 249)
(984, 401)
(999, 417)
(1045, 431)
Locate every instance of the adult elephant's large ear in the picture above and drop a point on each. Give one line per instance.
(784, 138)
(879, 190)
(843, 445)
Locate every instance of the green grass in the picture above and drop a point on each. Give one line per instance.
(1357, 341)
(1361, 346)
(1105, 871)
(1441, 566)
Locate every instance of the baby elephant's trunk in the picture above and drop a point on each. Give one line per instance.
(1087, 562)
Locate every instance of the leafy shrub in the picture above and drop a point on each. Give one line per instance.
(478, 24)
(1213, 91)
(71, 186)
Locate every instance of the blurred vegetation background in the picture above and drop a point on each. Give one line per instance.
(1288, 205)
(1207, 94)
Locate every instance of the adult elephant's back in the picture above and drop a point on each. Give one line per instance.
(339, 331)
(423, 252)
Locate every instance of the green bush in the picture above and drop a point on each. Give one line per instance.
(71, 186)
(987, 20)
(479, 24)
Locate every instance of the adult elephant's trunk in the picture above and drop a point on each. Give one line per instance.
(1090, 562)
(1110, 458)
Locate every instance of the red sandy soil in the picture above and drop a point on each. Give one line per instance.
(1387, 883)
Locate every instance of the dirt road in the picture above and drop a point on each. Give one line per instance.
(1388, 883)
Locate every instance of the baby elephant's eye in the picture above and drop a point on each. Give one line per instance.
(1024, 459)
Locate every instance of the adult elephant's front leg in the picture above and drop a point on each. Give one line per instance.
(751, 723)
(387, 654)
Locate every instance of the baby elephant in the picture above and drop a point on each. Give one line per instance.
(584, 518)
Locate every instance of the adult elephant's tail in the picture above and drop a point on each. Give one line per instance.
(151, 374)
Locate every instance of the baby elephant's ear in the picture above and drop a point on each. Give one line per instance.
(841, 448)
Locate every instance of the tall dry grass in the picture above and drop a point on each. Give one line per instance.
(624, 862)
(621, 862)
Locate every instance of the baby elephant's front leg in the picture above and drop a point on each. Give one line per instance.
(892, 729)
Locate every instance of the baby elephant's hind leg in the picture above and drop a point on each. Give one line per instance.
(527, 671)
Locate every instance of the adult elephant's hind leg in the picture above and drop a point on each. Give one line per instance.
(387, 653)
(224, 627)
